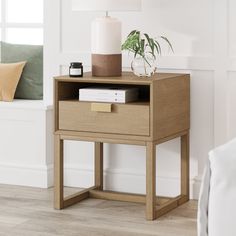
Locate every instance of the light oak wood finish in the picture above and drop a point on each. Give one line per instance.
(126, 78)
(185, 165)
(114, 196)
(84, 137)
(151, 181)
(75, 198)
(131, 197)
(166, 207)
(98, 162)
(171, 97)
(122, 139)
(58, 173)
(118, 121)
(28, 211)
(161, 114)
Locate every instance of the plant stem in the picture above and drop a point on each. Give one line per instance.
(146, 60)
(144, 64)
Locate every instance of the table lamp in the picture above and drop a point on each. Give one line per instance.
(106, 34)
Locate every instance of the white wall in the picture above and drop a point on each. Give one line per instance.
(203, 34)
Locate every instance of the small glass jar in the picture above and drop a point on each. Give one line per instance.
(76, 69)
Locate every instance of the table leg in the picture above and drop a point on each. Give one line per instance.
(150, 181)
(98, 175)
(58, 173)
(185, 165)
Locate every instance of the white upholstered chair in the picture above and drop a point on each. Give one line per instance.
(217, 202)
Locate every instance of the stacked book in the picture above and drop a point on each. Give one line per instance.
(111, 94)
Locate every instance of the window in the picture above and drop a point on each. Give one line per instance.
(21, 21)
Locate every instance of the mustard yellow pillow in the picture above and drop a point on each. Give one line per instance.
(9, 77)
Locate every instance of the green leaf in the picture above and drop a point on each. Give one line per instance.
(142, 46)
(158, 47)
(152, 45)
(148, 38)
(132, 33)
(168, 42)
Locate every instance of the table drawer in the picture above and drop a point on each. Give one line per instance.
(132, 119)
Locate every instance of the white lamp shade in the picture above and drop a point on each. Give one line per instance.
(106, 36)
(106, 5)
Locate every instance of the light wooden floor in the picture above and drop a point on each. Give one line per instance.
(29, 212)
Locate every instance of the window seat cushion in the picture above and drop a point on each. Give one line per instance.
(25, 104)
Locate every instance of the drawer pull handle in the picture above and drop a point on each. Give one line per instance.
(101, 107)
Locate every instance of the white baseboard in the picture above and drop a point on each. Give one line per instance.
(26, 175)
(116, 180)
(128, 181)
(196, 187)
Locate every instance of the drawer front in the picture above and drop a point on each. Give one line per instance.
(122, 119)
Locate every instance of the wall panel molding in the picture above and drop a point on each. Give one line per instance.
(221, 33)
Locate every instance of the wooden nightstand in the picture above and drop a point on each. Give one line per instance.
(162, 113)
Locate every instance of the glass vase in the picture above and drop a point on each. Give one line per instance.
(143, 67)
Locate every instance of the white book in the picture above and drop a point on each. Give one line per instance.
(105, 99)
(108, 99)
(108, 94)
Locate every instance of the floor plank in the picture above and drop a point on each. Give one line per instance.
(29, 211)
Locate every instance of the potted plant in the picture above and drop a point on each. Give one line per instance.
(145, 50)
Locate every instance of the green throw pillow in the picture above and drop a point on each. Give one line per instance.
(31, 82)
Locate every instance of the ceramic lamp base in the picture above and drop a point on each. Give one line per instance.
(106, 65)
